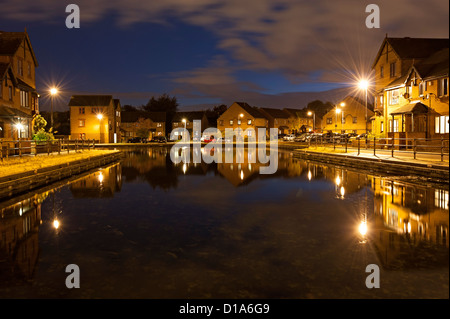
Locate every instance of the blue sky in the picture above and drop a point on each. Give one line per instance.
(208, 52)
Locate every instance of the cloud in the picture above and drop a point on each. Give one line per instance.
(298, 39)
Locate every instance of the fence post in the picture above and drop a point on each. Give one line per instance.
(346, 142)
(392, 148)
(59, 146)
(414, 148)
(374, 145)
(20, 148)
(442, 148)
(359, 146)
(48, 148)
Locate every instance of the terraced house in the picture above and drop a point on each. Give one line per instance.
(18, 95)
(411, 84)
(241, 115)
(142, 124)
(95, 117)
(186, 120)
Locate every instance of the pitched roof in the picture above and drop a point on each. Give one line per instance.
(134, 116)
(275, 113)
(435, 65)
(413, 48)
(411, 108)
(8, 112)
(253, 111)
(189, 116)
(90, 100)
(11, 41)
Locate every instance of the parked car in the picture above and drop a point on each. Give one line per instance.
(159, 139)
(313, 137)
(301, 138)
(362, 136)
(289, 137)
(136, 140)
(281, 136)
(207, 139)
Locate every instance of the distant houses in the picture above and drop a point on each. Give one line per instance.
(148, 124)
(95, 117)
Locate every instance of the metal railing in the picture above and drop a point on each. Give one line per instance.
(399, 146)
(20, 148)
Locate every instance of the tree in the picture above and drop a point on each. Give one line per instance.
(38, 123)
(320, 108)
(129, 108)
(164, 103)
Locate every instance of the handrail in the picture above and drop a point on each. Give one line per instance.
(22, 147)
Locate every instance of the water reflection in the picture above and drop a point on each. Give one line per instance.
(226, 221)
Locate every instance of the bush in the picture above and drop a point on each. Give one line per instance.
(43, 136)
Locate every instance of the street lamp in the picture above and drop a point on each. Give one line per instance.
(364, 85)
(184, 134)
(314, 119)
(338, 111)
(100, 116)
(53, 91)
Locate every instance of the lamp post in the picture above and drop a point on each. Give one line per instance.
(364, 85)
(53, 91)
(314, 119)
(100, 116)
(184, 134)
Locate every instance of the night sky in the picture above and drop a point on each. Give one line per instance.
(208, 52)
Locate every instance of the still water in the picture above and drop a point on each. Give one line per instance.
(147, 228)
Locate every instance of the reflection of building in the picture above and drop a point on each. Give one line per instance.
(19, 246)
(407, 219)
(103, 183)
(95, 117)
(18, 96)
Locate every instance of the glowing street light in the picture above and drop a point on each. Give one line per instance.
(56, 223)
(100, 117)
(53, 92)
(314, 119)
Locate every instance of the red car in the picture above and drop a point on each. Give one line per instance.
(207, 139)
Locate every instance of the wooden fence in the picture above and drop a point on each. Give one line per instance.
(32, 148)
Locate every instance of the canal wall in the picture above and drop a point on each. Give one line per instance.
(432, 172)
(17, 184)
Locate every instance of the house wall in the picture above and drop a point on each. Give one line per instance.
(233, 114)
(93, 127)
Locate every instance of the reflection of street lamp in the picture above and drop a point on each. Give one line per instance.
(314, 119)
(53, 91)
(100, 116)
(364, 85)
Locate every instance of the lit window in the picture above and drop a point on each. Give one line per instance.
(249, 122)
(239, 122)
(393, 97)
(81, 123)
(231, 122)
(442, 124)
(441, 198)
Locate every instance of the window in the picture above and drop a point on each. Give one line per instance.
(441, 124)
(382, 127)
(249, 122)
(82, 136)
(393, 97)
(81, 123)
(231, 122)
(24, 99)
(221, 122)
(441, 198)
(81, 110)
(392, 70)
(394, 125)
(443, 87)
(355, 120)
(329, 120)
(381, 71)
(421, 88)
(158, 124)
(10, 92)
(239, 122)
